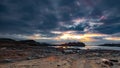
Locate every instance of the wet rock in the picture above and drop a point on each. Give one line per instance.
(7, 60)
(29, 58)
(58, 65)
(112, 60)
(107, 62)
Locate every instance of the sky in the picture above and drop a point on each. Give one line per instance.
(58, 21)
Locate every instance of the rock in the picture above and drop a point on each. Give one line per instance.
(7, 60)
(29, 58)
(112, 60)
(58, 65)
(107, 62)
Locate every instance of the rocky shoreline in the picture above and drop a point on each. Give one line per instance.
(68, 61)
(55, 58)
(29, 56)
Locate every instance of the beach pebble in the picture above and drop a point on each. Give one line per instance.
(107, 62)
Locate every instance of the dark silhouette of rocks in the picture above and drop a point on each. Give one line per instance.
(111, 45)
(11, 42)
(79, 44)
(7, 40)
(29, 42)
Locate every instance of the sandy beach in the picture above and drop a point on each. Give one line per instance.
(62, 56)
(64, 61)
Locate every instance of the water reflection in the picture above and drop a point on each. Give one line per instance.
(102, 47)
(91, 47)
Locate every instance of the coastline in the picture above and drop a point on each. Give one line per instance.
(83, 59)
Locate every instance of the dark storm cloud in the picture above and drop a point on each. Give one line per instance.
(22, 16)
(110, 9)
(15, 27)
(111, 3)
(28, 17)
(38, 14)
(109, 28)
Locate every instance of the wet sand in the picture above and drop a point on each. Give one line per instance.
(63, 61)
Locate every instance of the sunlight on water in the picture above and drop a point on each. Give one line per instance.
(93, 47)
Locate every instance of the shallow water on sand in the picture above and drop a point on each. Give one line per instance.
(94, 47)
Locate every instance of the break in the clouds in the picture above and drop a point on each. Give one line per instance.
(57, 21)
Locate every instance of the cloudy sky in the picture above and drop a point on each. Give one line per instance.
(57, 21)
